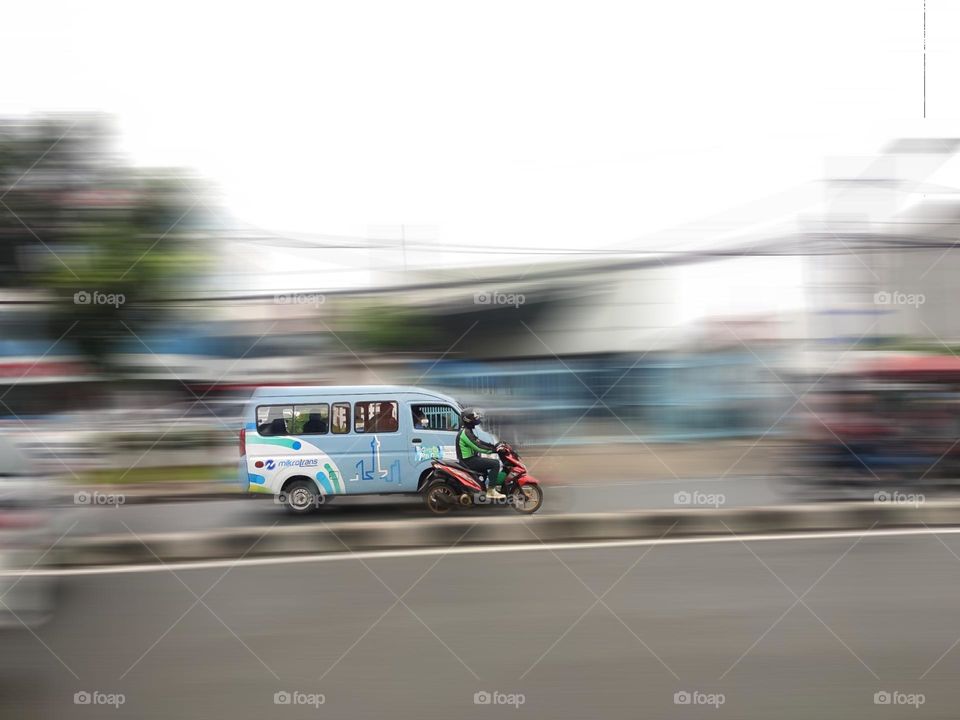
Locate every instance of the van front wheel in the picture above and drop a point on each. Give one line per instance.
(301, 497)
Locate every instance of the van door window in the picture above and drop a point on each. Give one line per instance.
(377, 416)
(311, 419)
(274, 420)
(341, 418)
(435, 417)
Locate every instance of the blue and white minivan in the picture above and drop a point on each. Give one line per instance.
(305, 444)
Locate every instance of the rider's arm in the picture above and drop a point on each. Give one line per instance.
(476, 443)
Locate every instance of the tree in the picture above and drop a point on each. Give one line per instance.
(102, 240)
(387, 327)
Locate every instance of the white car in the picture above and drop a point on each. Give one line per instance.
(27, 514)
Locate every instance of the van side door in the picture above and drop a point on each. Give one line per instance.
(434, 434)
(379, 441)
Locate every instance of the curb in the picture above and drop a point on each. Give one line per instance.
(344, 537)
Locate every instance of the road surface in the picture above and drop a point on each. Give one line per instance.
(717, 620)
(593, 497)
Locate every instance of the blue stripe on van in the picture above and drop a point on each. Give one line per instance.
(324, 482)
(335, 479)
(282, 442)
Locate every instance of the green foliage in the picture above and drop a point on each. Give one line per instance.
(381, 327)
(79, 222)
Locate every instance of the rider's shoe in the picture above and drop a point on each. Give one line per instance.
(494, 494)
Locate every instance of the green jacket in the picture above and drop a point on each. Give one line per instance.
(468, 444)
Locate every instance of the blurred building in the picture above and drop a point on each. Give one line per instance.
(882, 260)
(562, 351)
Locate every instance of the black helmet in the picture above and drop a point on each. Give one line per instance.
(471, 417)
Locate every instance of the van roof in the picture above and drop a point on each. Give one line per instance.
(288, 391)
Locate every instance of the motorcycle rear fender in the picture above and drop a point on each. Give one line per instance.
(457, 476)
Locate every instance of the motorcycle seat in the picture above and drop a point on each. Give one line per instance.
(457, 465)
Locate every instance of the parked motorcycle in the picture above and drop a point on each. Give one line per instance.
(453, 485)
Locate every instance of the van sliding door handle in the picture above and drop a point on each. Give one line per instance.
(416, 440)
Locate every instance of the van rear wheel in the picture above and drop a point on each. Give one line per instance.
(301, 497)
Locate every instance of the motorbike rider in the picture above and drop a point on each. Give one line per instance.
(470, 447)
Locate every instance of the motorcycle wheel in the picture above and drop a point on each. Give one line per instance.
(527, 499)
(439, 498)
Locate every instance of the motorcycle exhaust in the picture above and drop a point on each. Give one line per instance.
(465, 499)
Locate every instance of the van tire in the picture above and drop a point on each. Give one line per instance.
(301, 497)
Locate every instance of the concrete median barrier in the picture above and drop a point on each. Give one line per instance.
(475, 529)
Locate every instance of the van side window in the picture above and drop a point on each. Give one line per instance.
(274, 420)
(435, 417)
(341, 418)
(376, 416)
(311, 419)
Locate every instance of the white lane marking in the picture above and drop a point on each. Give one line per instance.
(471, 550)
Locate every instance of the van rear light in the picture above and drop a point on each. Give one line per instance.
(243, 442)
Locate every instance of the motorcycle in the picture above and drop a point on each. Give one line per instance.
(452, 485)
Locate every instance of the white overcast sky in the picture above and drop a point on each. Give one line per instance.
(543, 124)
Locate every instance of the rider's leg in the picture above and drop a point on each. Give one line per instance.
(487, 468)
(479, 466)
(492, 468)
(493, 475)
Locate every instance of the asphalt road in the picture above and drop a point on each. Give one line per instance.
(718, 619)
(593, 497)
